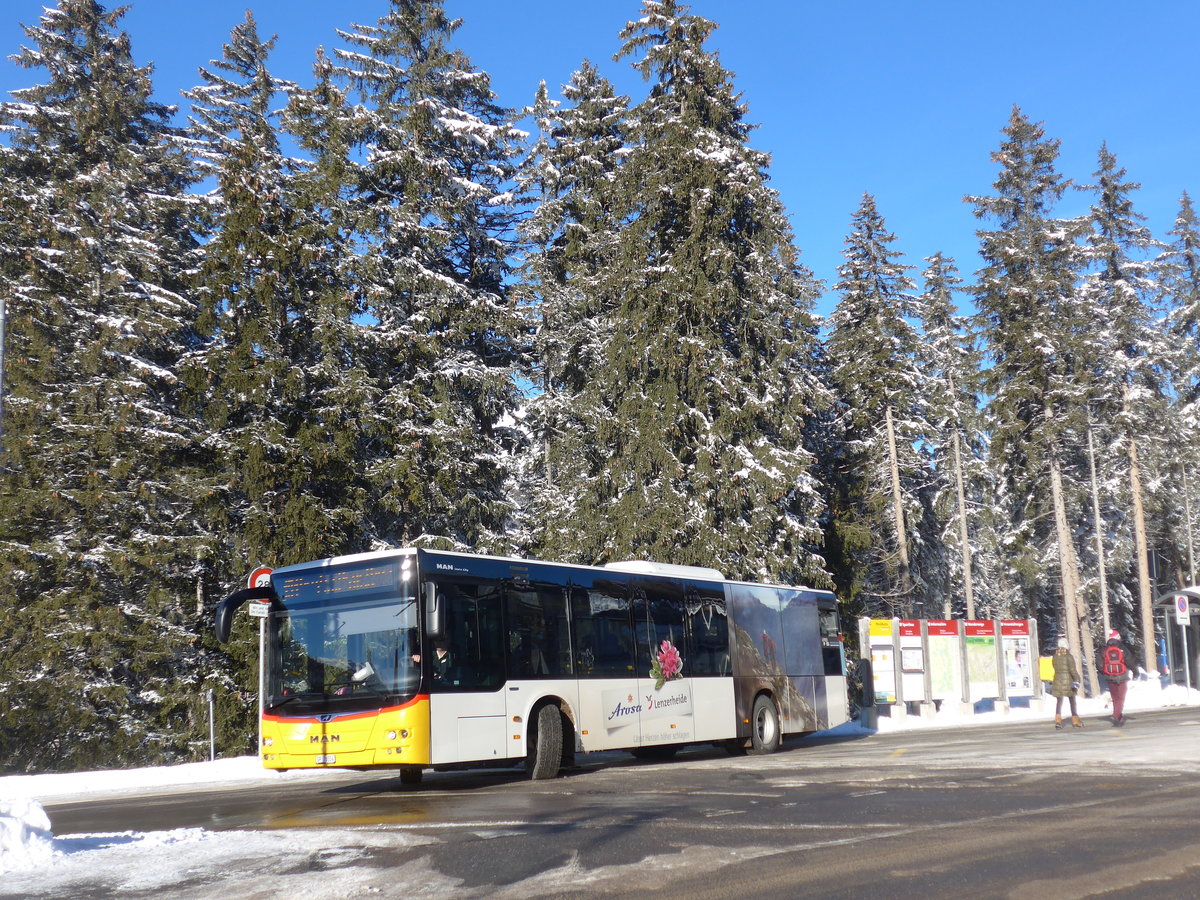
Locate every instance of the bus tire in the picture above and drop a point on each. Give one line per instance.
(764, 726)
(411, 774)
(545, 744)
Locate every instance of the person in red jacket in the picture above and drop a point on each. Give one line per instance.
(1114, 666)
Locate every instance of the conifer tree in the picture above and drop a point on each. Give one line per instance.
(1032, 318)
(569, 176)
(98, 656)
(874, 350)
(1178, 274)
(285, 477)
(434, 218)
(957, 437)
(276, 347)
(702, 395)
(1179, 281)
(1129, 387)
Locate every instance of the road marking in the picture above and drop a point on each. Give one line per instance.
(899, 751)
(774, 796)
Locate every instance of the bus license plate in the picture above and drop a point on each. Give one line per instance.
(326, 759)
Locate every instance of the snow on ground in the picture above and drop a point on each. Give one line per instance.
(33, 859)
(1142, 695)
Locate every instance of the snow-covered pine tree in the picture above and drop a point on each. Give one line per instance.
(875, 355)
(435, 220)
(276, 349)
(99, 659)
(286, 475)
(1033, 320)
(568, 177)
(702, 395)
(1129, 390)
(1179, 278)
(1178, 274)
(340, 395)
(957, 439)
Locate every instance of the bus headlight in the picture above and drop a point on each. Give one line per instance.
(391, 735)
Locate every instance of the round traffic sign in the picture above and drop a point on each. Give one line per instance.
(260, 577)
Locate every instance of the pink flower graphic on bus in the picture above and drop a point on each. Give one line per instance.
(667, 665)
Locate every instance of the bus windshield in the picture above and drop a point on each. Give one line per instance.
(343, 638)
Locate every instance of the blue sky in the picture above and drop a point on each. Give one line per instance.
(902, 100)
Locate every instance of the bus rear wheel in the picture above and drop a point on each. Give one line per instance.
(545, 744)
(764, 726)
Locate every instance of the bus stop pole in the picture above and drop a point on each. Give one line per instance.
(1187, 665)
(212, 729)
(262, 642)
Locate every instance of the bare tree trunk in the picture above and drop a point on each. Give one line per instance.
(1143, 557)
(898, 508)
(968, 585)
(1078, 635)
(1187, 512)
(1099, 533)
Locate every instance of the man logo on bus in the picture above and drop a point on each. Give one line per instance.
(667, 665)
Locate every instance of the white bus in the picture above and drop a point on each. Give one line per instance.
(421, 659)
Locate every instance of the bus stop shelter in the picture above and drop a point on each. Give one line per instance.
(1179, 643)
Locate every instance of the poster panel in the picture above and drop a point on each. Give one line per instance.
(1018, 660)
(980, 642)
(912, 660)
(945, 659)
(883, 662)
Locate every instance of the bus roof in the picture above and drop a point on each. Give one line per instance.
(643, 567)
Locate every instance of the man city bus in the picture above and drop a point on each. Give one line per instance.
(422, 659)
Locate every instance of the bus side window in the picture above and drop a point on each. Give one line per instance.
(658, 614)
(831, 645)
(474, 637)
(708, 629)
(538, 634)
(603, 634)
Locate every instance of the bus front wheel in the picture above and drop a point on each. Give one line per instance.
(764, 726)
(545, 744)
(410, 774)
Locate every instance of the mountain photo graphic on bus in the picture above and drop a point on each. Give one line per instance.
(416, 659)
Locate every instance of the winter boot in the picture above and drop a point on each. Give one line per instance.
(1058, 722)
(1076, 722)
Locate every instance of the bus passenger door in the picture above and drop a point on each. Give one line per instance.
(602, 640)
(664, 682)
(466, 666)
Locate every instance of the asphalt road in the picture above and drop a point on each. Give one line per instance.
(1018, 810)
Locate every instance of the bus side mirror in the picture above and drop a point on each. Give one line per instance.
(231, 604)
(434, 614)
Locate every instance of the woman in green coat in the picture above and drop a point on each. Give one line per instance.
(1066, 683)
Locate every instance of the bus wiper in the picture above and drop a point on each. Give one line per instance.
(356, 687)
(308, 695)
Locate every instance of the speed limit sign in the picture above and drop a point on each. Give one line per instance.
(260, 577)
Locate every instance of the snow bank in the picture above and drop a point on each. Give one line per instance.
(239, 770)
(26, 841)
(1142, 695)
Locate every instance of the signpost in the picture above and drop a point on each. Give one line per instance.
(1183, 615)
(260, 577)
